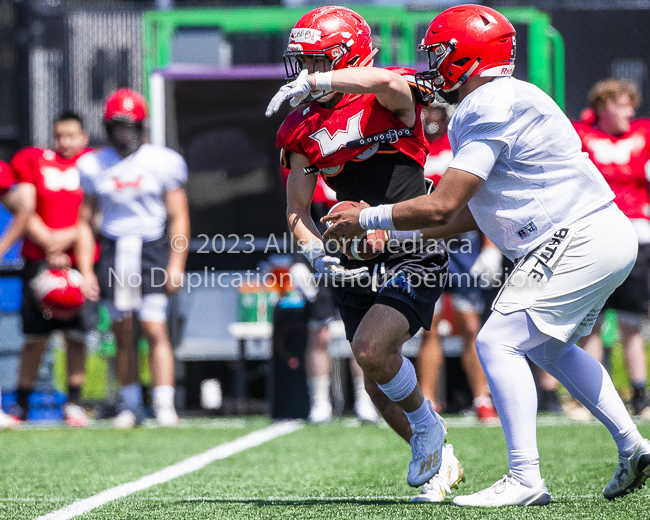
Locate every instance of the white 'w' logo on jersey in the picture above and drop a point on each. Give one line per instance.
(329, 143)
(57, 180)
(620, 152)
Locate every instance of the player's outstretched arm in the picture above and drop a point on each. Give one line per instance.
(391, 89)
(440, 208)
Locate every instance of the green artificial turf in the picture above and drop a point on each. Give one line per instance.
(337, 470)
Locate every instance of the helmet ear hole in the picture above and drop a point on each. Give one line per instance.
(461, 62)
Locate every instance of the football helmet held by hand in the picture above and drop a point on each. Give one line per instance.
(58, 293)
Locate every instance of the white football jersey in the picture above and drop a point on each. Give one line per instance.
(541, 180)
(131, 190)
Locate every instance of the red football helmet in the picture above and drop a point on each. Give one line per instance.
(335, 37)
(125, 105)
(463, 42)
(58, 293)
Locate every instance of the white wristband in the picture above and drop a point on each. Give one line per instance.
(380, 217)
(312, 250)
(323, 81)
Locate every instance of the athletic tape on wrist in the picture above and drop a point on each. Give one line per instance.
(313, 250)
(380, 217)
(323, 81)
(403, 384)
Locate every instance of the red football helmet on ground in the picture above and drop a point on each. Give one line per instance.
(463, 42)
(335, 37)
(58, 293)
(125, 105)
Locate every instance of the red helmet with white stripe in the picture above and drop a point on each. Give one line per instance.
(463, 42)
(125, 105)
(335, 37)
(58, 293)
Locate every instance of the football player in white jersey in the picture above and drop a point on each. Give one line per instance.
(139, 189)
(519, 175)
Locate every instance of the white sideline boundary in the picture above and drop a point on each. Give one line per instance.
(179, 469)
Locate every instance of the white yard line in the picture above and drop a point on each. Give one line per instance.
(176, 470)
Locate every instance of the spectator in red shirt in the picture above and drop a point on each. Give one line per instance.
(619, 146)
(51, 233)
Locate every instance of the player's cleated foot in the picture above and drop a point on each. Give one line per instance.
(426, 450)
(8, 421)
(451, 474)
(75, 415)
(18, 412)
(366, 411)
(166, 416)
(507, 492)
(486, 413)
(631, 473)
(320, 413)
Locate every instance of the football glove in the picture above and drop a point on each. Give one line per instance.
(330, 266)
(297, 90)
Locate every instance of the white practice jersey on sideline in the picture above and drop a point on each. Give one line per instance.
(131, 191)
(541, 180)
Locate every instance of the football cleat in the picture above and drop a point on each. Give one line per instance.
(426, 450)
(75, 415)
(507, 492)
(320, 412)
(8, 421)
(451, 474)
(631, 473)
(486, 413)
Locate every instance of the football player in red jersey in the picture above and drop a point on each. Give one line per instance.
(369, 144)
(620, 149)
(51, 234)
(19, 199)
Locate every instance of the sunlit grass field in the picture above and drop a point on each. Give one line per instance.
(339, 470)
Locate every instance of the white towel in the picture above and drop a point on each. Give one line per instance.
(128, 263)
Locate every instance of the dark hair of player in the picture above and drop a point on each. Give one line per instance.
(69, 115)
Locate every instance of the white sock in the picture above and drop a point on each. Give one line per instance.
(422, 418)
(163, 395)
(360, 394)
(132, 396)
(588, 381)
(319, 390)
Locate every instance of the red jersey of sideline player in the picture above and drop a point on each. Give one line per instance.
(624, 162)
(439, 158)
(7, 178)
(321, 133)
(58, 191)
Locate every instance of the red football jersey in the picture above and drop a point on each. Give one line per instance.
(321, 133)
(58, 191)
(439, 158)
(7, 178)
(624, 162)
